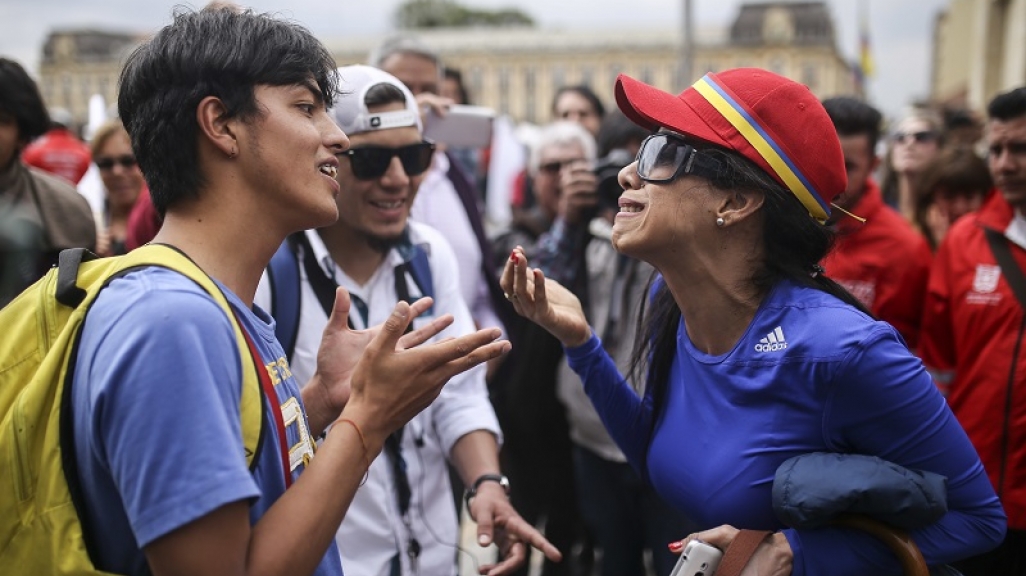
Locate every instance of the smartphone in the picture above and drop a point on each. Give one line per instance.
(462, 127)
(697, 559)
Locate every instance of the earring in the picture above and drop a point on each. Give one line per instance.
(720, 222)
(233, 153)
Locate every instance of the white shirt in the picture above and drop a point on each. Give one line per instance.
(374, 531)
(438, 205)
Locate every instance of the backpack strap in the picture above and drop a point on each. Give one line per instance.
(68, 292)
(251, 405)
(417, 264)
(283, 273)
(1012, 271)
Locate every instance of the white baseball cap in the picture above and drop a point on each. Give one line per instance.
(350, 110)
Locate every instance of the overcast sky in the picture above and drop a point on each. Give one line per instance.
(900, 30)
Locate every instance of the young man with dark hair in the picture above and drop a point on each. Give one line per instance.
(883, 261)
(227, 111)
(40, 214)
(973, 327)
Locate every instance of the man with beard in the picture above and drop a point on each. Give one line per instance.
(402, 520)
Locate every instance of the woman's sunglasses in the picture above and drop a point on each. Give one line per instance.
(108, 162)
(371, 162)
(919, 137)
(664, 157)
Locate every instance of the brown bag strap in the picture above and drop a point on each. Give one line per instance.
(740, 551)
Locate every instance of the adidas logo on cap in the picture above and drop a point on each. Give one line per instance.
(773, 341)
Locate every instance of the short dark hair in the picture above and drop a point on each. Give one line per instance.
(853, 117)
(956, 170)
(457, 77)
(19, 97)
(220, 52)
(382, 94)
(618, 131)
(1007, 106)
(585, 92)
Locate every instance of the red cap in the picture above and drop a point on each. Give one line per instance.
(775, 122)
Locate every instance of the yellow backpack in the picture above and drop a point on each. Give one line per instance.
(40, 530)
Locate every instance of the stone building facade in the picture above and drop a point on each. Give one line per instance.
(517, 70)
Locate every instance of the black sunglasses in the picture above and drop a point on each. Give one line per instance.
(108, 162)
(370, 162)
(664, 157)
(920, 136)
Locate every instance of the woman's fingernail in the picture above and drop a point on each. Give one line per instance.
(675, 546)
(514, 258)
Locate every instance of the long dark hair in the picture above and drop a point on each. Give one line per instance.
(794, 244)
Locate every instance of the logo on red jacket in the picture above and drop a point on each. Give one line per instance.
(984, 284)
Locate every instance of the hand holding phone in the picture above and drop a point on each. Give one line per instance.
(698, 559)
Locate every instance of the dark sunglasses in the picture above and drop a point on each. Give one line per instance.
(664, 157)
(553, 168)
(370, 162)
(920, 137)
(107, 162)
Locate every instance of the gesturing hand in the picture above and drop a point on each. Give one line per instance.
(497, 521)
(544, 302)
(391, 383)
(341, 349)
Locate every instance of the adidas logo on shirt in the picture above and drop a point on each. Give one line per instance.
(772, 342)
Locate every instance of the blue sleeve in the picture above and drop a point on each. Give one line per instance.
(884, 403)
(627, 418)
(162, 369)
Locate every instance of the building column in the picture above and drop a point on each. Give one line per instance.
(1013, 71)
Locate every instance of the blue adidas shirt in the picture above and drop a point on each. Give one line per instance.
(811, 374)
(156, 405)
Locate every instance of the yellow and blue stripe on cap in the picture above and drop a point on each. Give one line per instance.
(756, 135)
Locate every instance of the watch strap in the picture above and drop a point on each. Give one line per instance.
(500, 479)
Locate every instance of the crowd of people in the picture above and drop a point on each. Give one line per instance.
(692, 290)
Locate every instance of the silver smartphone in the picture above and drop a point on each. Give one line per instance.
(461, 127)
(697, 559)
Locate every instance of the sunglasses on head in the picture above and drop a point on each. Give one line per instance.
(370, 162)
(664, 157)
(920, 136)
(108, 162)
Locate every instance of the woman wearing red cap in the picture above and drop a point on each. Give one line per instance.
(751, 355)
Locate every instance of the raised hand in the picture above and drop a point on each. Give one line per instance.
(392, 383)
(544, 302)
(341, 349)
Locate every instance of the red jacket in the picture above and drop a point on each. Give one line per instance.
(59, 152)
(972, 340)
(885, 263)
(143, 221)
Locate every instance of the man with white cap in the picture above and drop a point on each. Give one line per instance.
(402, 520)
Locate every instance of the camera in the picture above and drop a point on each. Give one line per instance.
(607, 170)
(698, 559)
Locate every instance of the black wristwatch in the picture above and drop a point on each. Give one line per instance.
(472, 491)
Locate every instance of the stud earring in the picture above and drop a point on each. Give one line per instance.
(232, 153)
(720, 222)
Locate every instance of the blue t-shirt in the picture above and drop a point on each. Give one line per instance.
(157, 426)
(811, 374)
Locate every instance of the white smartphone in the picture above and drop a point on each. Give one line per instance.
(697, 559)
(462, 127)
